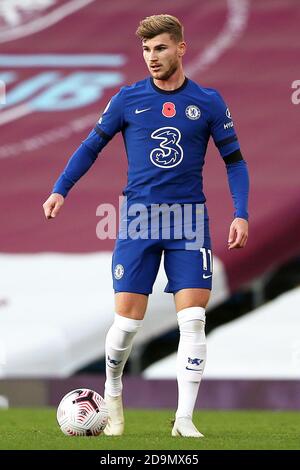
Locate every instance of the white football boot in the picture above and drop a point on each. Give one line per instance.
(184, 427)
(115, 425)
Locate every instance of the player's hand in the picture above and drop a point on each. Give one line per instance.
(52, 205)
(238, 234)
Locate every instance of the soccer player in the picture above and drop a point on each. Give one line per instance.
(166, 121)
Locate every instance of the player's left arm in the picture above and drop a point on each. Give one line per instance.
(238, 180)
(225, 138)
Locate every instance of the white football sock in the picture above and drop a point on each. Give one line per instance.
(191, 358)
(118, 345)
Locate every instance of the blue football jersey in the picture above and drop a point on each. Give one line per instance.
(166, 135)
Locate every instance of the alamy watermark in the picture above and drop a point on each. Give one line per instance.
(295, 97)
(155, 222)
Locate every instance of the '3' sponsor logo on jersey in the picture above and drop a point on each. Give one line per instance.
(169, 153)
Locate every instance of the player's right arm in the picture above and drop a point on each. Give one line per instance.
(83, 158)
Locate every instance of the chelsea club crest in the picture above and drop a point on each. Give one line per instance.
(193, 112)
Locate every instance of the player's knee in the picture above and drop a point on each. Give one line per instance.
(122, 332)
(127, 324)
(191, 320)
(132, 313)
(132, 306)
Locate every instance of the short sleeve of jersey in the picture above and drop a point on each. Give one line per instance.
(222, 127)
(112, 120)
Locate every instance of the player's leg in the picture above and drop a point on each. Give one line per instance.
(189, 276)
(194, 297)
(191, 356)
(130, 310)
(135, 266)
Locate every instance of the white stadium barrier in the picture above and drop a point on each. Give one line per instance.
(55, 310)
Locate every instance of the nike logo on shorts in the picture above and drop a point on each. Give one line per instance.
(206, 276)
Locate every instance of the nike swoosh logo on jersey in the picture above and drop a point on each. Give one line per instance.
(206, 277)
(196, 370)
(138, 111)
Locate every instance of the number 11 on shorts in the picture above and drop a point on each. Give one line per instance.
(207, 259)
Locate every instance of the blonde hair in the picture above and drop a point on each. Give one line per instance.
(159, 24)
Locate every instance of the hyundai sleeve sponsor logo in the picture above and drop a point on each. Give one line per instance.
(228, 113)
(228, 125)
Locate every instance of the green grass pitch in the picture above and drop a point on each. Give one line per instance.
(150, 430)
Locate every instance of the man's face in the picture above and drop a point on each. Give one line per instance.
(162, 55)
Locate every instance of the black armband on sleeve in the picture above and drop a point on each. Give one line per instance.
(233, 157)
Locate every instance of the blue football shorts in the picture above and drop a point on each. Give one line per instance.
(135, 262)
